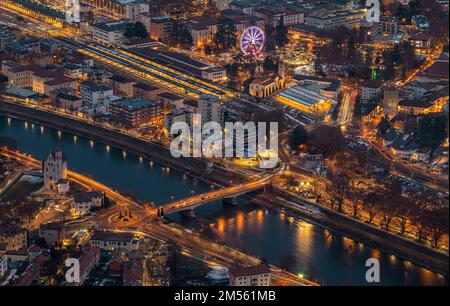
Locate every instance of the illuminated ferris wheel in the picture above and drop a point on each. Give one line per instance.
(252, 41)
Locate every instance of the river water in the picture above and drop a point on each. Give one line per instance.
(320, 255)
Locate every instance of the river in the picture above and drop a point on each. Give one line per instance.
(320, 255)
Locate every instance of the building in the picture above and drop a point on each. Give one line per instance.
(122, 86)
(272, 16)
(437, 72)
(115, 267)
(414, 107)
(134, 113)
(145, 91)
(73, 71)
(111, 241)
(133, 273)
(33, 271)
(96, 98)
(3, 265)
(327, 87)
(334, 20)
(390, 101)
(108, 33)
(185, 64)
(203, 30)
(211, 108)
(190, 105)
(159, 28)
(118, 9)
(69, 102)
(177, 115)
(40, 80)
(54, 169)
(134, 9)
(421, 42)
(53, 233)
(85, 201)
(15, 237)
(420, 22)
(137, 43)
(88, 261)
(63, 186)
(259, 275)
(370, 91)
(305, 100)
(170, 100)
(6, 37)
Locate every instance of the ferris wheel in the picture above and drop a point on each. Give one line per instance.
(252, 41)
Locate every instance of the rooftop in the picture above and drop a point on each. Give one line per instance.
(87, 196)
(111, 26)
(249, 271)
(133, 104)
(111, 236)
(303, 96)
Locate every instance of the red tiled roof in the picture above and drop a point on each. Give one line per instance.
(249, 271)
(132, 270)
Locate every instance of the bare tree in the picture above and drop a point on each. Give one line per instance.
(438, 224)
(354, 195)
(340, 183)
(404, 214)
(372, 200)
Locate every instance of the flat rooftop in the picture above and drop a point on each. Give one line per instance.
(133, 104)
(303, 96)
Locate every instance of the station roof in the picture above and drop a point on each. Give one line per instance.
(300, 94)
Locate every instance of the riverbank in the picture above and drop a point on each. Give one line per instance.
(371, 236)
(197, 168)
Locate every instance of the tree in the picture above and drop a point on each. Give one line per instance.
(438, 224)
(270, 38)
(136, 30)
(287, 261)
(298, 137)
(432, 131)
(404, 213)
(384, 126)
(328, 140)
(140, 30)
(372, 203)
(354, 195)
(225, 38)
(181, 34)
(340, 183)
(281, 33)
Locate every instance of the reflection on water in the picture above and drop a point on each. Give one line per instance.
(320, 254)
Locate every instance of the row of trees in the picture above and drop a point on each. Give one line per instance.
(386, 206)
(397, 213)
